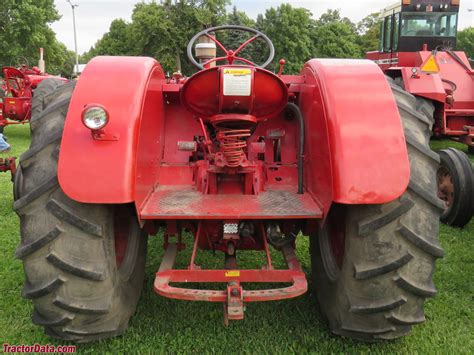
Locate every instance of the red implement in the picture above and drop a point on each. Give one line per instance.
(8, 164)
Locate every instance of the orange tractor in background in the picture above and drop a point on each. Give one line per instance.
(417, 50)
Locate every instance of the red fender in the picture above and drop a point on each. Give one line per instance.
(352, 103)
(95, 171)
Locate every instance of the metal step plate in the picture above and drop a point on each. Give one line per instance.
(183, 202)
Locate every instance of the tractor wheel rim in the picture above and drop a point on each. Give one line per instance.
(445, 187)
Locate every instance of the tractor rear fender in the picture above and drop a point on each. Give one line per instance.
(123, 169)
(355, 145)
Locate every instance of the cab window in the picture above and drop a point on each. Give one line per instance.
(429, 24)
(381, 40)
(388, 34)
(396, 31)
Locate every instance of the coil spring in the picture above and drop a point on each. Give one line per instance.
(232, 143)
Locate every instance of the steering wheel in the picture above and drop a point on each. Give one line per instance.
(231, 55)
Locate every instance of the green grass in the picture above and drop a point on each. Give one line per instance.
(294, 326)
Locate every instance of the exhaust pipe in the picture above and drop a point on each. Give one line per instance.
(41, 63)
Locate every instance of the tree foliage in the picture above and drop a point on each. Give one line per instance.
(290, 30)
(158, 30)
(336, 37)
(232, 40)
(24, 28)
(331, 16)
(466, 41)
(336, 40)
(115, 42)
(368, 30)
(162, 29)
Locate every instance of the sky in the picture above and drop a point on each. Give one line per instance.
(93, 17)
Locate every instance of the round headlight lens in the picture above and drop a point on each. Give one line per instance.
(95, 117)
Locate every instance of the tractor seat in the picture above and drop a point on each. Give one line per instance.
(234, 89)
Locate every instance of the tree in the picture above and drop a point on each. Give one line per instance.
(198, 15)
(59, 60)
(115, 42)
(24, 28)
(232, 39)
(369, 32)
(466, 41)
(211, 12)
(290, 30)
(162, 30)
(331, 16)
(335, 37)
(336, 40)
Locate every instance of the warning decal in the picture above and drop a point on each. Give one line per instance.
(232, 273)
(430, 65)
(237, 82)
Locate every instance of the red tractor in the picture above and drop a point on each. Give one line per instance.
(17, 91)
(8, 164)
(239, 159)
(416, 50)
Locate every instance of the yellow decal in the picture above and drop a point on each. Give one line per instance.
(232, 273)
(12, 102)
(238, 72)
(430, 65)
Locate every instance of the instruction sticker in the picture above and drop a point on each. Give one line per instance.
(237, 82)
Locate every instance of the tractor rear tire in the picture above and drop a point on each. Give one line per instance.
(456, 172)
(42, 94)
(373, 264)
(84, 263)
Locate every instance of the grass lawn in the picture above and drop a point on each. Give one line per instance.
(294, 326)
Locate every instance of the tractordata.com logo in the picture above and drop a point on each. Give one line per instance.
(38, 348)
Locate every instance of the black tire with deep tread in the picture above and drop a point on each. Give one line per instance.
(68, 248)
(461, 171)
(41, 93)
(390, 249)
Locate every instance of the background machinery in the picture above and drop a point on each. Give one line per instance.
(17, 91)
(417, 49)
(237, 158)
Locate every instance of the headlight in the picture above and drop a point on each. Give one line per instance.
(95, 117)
